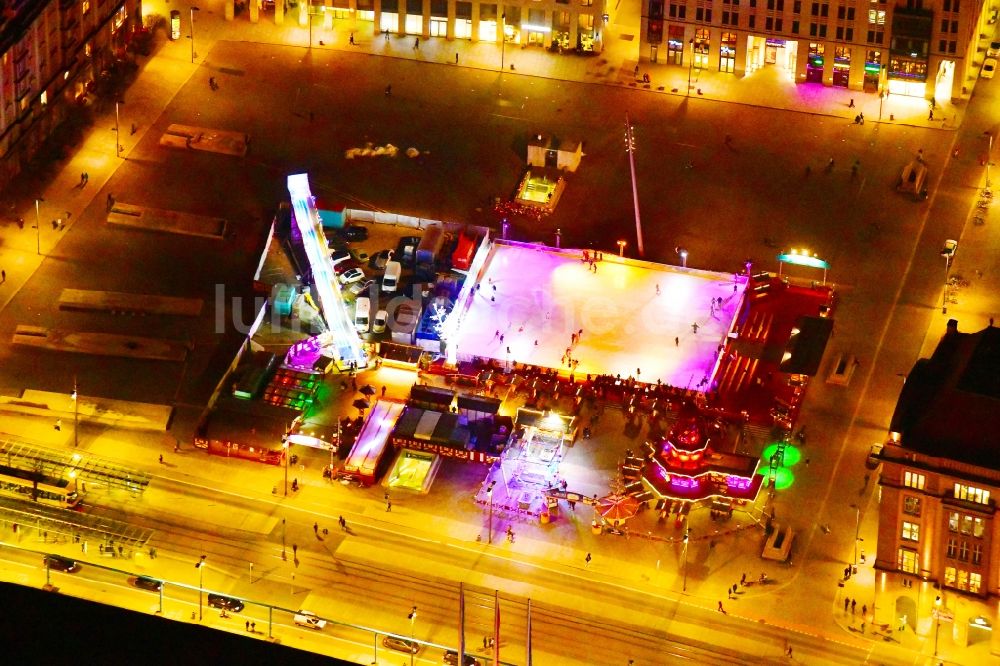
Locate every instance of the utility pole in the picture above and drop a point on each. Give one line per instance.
(193, 54)
(76, 415)
(630, 148)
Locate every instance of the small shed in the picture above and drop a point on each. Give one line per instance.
(546, 150)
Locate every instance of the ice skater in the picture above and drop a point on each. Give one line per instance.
(657, 289)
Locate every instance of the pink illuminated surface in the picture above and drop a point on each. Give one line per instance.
(545, 295)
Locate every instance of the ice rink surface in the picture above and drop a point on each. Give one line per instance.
(638, 319)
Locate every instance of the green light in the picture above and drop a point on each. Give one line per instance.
(793, 455)
(803, 260)
(783, 477)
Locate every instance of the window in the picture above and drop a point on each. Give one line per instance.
(777, 25)
(86, 6)
(725, 18)
(954, 26)
(768, 24)
(822, 30)
(971, 494)
(953, 518)
(781, 5)
(963, 551)
(876, 17)
(911, 503)
(752, 22)
(963, 580)
(815, 9)
(944, 25)
(949, 576)
(812, 30)
(841, 12)
(906, 560)
(977, 553)
(942, 45)
(797, 7)
(965, 525)
(824, 10)
(850, 13)
(850, 34)
(952, 46)
(975, 582)
(911, 531)
(840, 34)
(795, 27)
(952, 548)
(978, 527)
(913, 480)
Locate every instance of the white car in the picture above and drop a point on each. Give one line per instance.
(359, 287)
(378, 325)
(306, 618)
(989, 68)
(351, 276)
(994, 50)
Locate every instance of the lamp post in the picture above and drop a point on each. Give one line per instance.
(76, 415)
(118, 134)
(937, 622)
(621, 248)
(630, 149)
(948, 253)
(690, 65)
(857, 536)
(413, 618)
(38, 228)
(489, 494)
(989, 151)
(683, 254)
(200, 566)
(503, 38)
(193, 54)
(687, 537)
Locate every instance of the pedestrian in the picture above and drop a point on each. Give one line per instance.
(508, 350)
(352, 39)
(536, 341)
(851, 105)
(3, 276)
(930, 115)
(486, 642)
(588, 558)
(864, 610)
(342, 523)
(635, 72)
(862, 116)
(83, 179)
(657, 289)
(248, 625)
(58, 425)
(789, 651)
(295, 549)
(111, 201)
(721, 609)
(253, 627)
(456, 57)
(496, 334)
(388, 506)
(694, 327)
(134, 130)
(387, 34)
(853, 604)
(316, 528)
(384, 389)
(847, 602)
(416, 43)
(161, 458)
(743, 579)
(677, 342)
(501, 338)
(862, 626)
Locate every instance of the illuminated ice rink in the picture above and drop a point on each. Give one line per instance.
(538, 297)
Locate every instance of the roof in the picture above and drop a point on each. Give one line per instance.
(249, 422)
(549, 141)
(949, 402)
(804, 351)
(426, 425)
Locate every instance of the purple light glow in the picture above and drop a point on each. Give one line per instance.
(543, 295)
(684, 482)
(737, 482)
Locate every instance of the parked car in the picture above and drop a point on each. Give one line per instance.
(345, 265)
(360, 256)
(994, 50)
(378, 260)
(340, 255)
(359, 288)
(60, 563)
(872, 462)
(989, 68)
(306, 618)
(225, 603)
(354, 233)
(378, 324)
(406, 250)
(146, 583)
(400, 645)
(451, 658)
(351, 276)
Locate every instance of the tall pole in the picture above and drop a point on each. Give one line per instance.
(937, 622)
(461, 622)
(38, 228)
(687, 537)
(201, 584)
(413, 618)
(857, 535)
(287, 449)
(76, 415)
(690, 66)
(118, 134)
(503, 38)
(989, 152)
(489, 494)
(527, 638)
(193, 54)
(630, 147)
(944, 292)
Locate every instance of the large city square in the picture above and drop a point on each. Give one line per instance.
(539, 303)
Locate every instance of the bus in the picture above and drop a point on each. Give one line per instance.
(37, 487)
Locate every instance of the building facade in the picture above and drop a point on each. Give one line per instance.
(924, 48)
(938, 553)
(51, 52)
(559, 25)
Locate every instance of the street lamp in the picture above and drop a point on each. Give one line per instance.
(503, 38)
(76, 415)
(683, 255)
(630, 149)
(193, 54)
(118, 134)
(989, 135)
(413, 618)
(687, 537)
(690, 65)
(937, 622)
(38, 228)
(489, 494)
(857, 536)
(948, 252)
(200, 566)
(621, 248)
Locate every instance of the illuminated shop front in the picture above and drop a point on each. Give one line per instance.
(675, 45)
(814, 65)
(907, 76)
(873, 71)
(702, 48)
(727, 53)
(841, 66)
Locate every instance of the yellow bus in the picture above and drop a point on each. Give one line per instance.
(38, 487)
